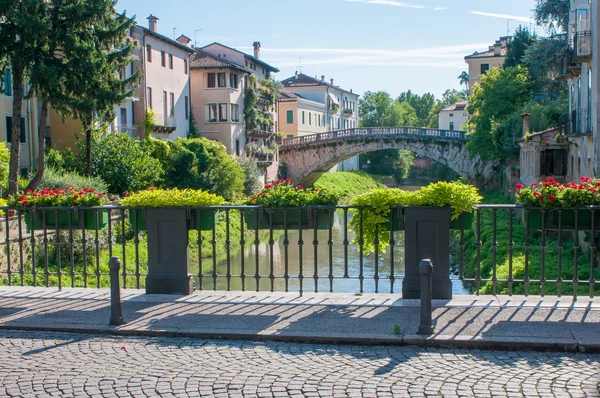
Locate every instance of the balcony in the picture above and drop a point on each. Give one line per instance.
(347, 112)
(569, 66)
(263, 131)
(333, 108)
(581, 44)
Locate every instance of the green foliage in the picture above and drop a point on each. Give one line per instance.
(422, 104)
(461, 197)
(452, 96)
(437, 171)
(252, 175)
(172, 198)
(149, 122)
(390, 161)
(517, 47)
(283, 193)
(501, 93)
(4, 163)
(159, 149)
(464, 79)
(544, 59)
(270, 89)
(348, 184)
(200, 163)
(53, 179)
(68, 196)
(379, 109)
(552, 14)
(192, 131)
(123, 163)
(550, 193)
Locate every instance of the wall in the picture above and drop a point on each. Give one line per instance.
(64, 133)
(290, 129)
(459, 118)
(28, 150)
(475, 68)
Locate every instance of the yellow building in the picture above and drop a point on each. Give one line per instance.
(480, 62)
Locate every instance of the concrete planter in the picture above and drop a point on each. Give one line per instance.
(62, 219)
(567, 218)
(427, 236)
(168, 256)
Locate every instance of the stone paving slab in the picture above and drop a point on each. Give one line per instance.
(548, 323)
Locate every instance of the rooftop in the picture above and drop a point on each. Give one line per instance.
(302, 80)
(150, 32)
(490, 53)
(204, 60)
(250, 57)
(459, 106)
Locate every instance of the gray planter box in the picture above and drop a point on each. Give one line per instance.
(168, 257)
(427, 236)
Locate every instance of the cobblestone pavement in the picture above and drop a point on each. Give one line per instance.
(67, 365)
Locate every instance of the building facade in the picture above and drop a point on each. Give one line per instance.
(480, 62)
(454, 116)
(299, 116)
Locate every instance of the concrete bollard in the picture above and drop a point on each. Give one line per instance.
(426, 269)
(116, 312)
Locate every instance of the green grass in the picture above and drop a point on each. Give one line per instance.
(349, 183)
(522, 269)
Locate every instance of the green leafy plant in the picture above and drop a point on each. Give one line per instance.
(377, 204)
(172, 198)
(69, 196)
(53, 179)
(150, 122)
(283, 193)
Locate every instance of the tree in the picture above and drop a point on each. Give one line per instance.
(517, 47)
(192, 131)
(421, 104)
(452, 96)
(464, 80)
(500, 93)
(544, 61)
(375, 109)
(22, 35)
(553, 14)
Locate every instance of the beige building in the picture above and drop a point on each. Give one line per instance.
(454, 116)
(219, 78)
(29, 124)
(300, 116)
(338, 110)
(480, 62)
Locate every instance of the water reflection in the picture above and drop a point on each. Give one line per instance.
(321, 256)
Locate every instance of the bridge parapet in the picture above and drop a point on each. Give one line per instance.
(401, 131)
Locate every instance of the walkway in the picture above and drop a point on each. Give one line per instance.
(76, 365)
(465, 322)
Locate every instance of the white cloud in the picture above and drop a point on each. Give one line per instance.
(440, 8)
(386, 3)
(502, 16)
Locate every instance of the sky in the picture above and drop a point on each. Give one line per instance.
(365, 45)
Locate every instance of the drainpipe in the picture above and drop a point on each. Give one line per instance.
(327, 111)
(144, 79)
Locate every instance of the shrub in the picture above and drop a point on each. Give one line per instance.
(172, 198)
(59, 179)
(59, 197)
(4, 162)
(252, 183)
(283, 193)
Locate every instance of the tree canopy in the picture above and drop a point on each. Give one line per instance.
(553, 14)
(517, 46)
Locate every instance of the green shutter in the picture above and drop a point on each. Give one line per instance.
(290, 117)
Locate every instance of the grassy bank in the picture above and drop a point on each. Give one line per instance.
(349, 183)
(531, 269)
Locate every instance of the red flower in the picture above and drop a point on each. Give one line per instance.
(252, 199)
(126, 193)
(25, 203)
(552, 197)
(534, 185)
(299, 187)
(29, 191)
(268, 186)
(518, 187)
(316, 189)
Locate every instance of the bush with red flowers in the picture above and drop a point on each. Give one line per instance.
(67, 197)
(283, 193)
(550, 193)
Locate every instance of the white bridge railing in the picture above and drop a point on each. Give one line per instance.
(375, 132)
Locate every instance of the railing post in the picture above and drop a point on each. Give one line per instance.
(426, 269)
(116, 312)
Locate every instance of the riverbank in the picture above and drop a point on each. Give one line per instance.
(349, 183)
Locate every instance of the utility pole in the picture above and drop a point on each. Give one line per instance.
(196, 37)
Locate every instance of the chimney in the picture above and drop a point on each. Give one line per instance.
(153, 23)
(323, 78)
(296, 75)
(497, 48)
(331, 81)
(256, 46)
(525, 117)
(183, 39)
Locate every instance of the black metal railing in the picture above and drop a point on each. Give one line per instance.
(375, 132)
(581, 44)
(500, 249)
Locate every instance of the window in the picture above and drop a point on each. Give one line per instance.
(211, 82)
(212, 112)
(303, 120)
(235, 113)
(222, 112)
(149, 97)
(553, 162)
(484, 68)
(149, 53)
(290, 117)
(319, 120)
(172, 98)
(187, 109)
(8, 83)
(163, 59)
(233, 80)
(9, 127)
(165, 108)
(309, 118)
(170, 61)
(451, 125)
(185, 66)
(123, 116)
(221, 80)
(237, 147)
(452, 115)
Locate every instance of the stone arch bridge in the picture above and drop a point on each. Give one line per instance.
(308, 157)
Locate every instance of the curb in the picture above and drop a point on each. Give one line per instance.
(492, 344)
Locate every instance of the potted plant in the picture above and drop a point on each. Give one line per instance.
(551, 203)
(286, 205)
(384, 209)
(141, 201)
(74, 208)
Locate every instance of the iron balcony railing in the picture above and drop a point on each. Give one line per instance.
(499, 249)
(375, 132)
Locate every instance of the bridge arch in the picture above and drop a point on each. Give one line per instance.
(308, 157)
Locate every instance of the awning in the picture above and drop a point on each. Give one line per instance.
(334, 99)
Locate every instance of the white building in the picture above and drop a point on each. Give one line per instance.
(454, 116)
